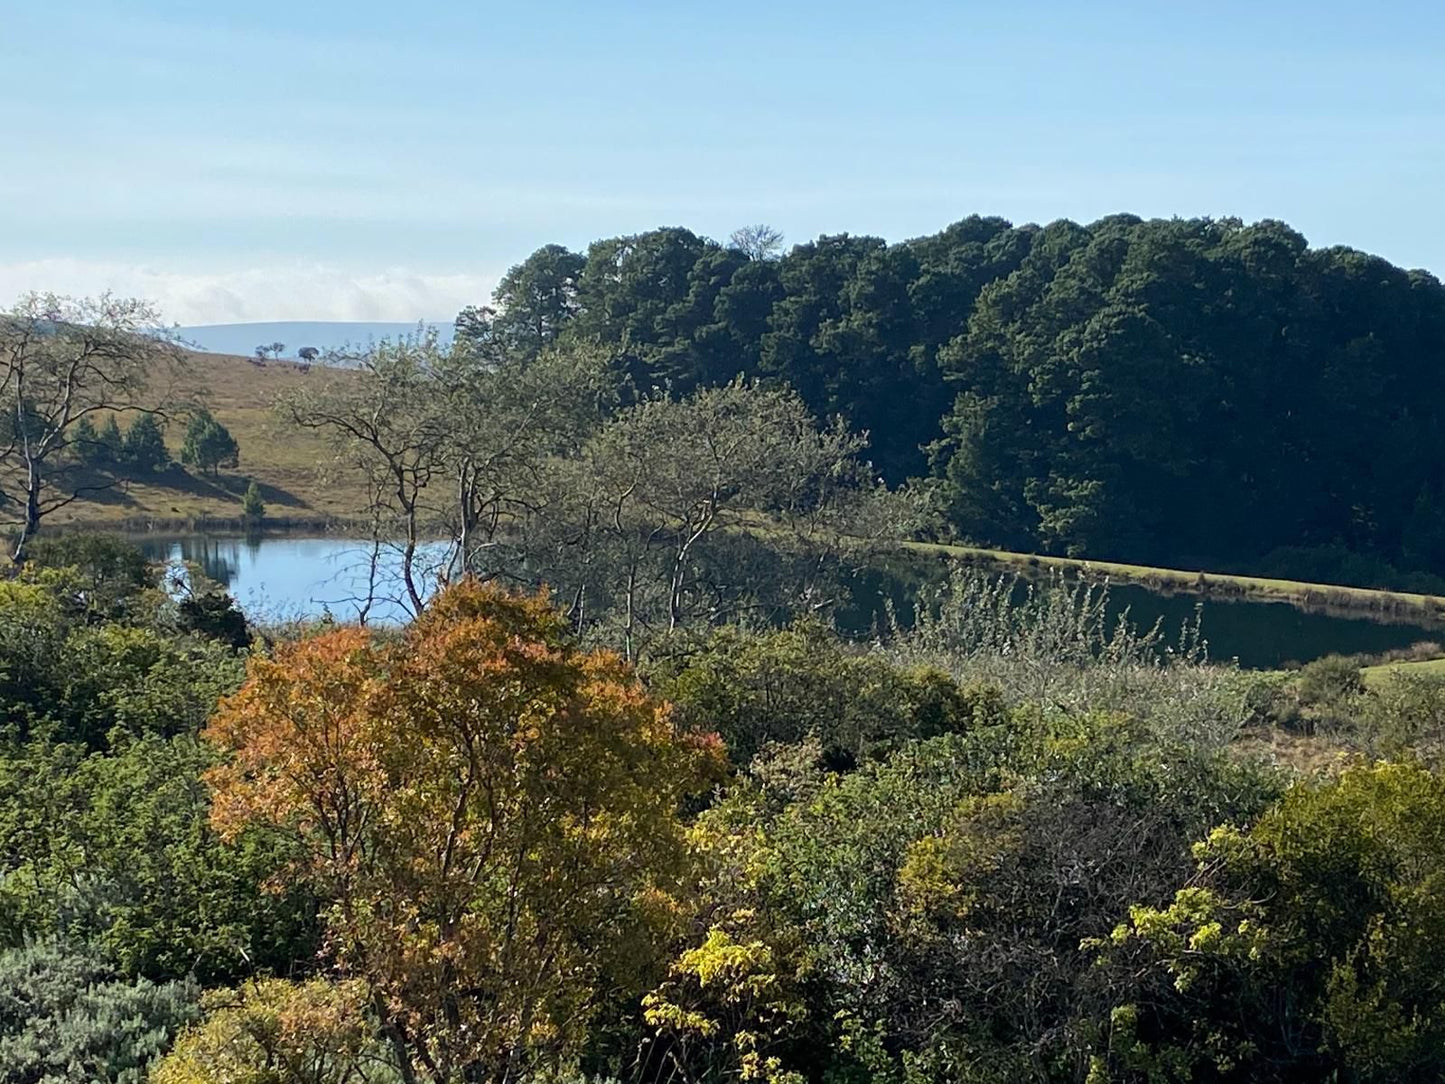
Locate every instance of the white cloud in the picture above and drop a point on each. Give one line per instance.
(282, 292)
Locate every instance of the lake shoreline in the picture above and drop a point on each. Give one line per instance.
(1382, 606)
(1336, 600)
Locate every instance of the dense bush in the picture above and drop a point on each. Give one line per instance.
(756, 689)
(65, 1018)
(1016, 842)
(114, 850)
(1307, 947)
(287, 1033)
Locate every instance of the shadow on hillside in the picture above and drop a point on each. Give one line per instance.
(222, 486)
(114, 491)
(102, 489)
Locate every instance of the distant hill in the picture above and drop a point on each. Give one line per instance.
(324, 335)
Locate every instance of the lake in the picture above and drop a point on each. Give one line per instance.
(282, 577)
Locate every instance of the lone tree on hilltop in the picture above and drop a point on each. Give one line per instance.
(760, 242)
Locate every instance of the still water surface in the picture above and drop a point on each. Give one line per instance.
(282, 578)
(285, 577)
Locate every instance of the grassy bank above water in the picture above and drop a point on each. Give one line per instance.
(1320, 597)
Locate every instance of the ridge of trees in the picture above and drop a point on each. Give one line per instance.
(1165, 391)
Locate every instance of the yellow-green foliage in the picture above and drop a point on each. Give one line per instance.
(738, 994)
(1320, 929)
(275, 1032)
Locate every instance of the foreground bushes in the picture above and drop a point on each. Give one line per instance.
(65, 1018)
(471, 850)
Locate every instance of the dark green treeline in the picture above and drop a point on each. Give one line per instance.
(1165, 391)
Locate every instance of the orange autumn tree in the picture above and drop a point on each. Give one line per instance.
(493, 814)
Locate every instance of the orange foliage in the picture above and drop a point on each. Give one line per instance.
(494, 814)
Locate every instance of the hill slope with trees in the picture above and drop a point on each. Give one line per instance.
(1176, 392)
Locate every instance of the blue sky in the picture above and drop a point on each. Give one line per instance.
(326, 160)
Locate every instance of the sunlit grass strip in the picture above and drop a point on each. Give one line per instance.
(1388, 605)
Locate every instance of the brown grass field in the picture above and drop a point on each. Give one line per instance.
(285, 462)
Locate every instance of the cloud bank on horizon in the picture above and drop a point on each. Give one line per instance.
(247, 295)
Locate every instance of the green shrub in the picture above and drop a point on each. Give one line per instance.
(1330, 680)
(215, 615)
(788, 685)
(114, 851)
(1309, 947)
(101, 576)
(65, 1018)
(253, 506)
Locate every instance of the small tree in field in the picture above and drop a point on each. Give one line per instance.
(253, 505)
(209, 444)
(494, 813)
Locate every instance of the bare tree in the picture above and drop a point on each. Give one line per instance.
(679, 510)
(510, 419)
(385, 421)
(63, 360)
(759, 242)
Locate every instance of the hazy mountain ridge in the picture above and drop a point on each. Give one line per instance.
(324, 335)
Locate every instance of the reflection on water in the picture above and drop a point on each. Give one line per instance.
(282, 578)
(218, 558)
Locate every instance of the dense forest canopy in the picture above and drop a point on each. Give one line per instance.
(1169, 391)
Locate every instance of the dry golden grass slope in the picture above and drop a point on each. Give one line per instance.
(284, 461)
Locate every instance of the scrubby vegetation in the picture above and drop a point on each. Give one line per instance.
(1007, 842)
(618, 802)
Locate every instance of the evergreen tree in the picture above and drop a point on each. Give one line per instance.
(86, 442)
(112, 443)
(209, 444)
(65, 1019)
(145, 446)
(253, 506)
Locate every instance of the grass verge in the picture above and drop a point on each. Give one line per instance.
(1396, 606)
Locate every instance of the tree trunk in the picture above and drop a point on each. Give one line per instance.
(32, 514)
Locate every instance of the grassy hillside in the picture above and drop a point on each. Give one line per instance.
(283, 461)
(1375, 675)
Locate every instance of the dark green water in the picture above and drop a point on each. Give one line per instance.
(289, 577)
(1260, 635)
